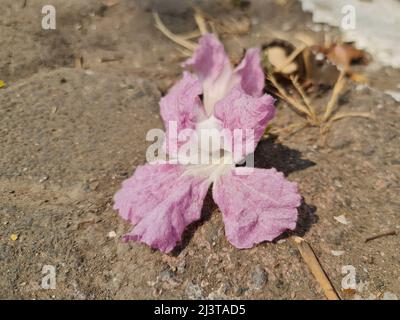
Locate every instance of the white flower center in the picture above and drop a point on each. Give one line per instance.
(205, 154)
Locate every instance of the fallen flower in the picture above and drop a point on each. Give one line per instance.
(162, 199)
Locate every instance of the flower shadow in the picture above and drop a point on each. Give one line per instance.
(270, 154)
(209, 206)
(306, 218)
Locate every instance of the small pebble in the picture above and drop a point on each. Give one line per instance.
(112, 234)
(341, 219)
(43, 179)
(194, 291)
(337, 253)
(389, 296)
(14, 237)
(259, 277)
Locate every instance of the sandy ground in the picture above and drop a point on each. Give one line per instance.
(69, 136)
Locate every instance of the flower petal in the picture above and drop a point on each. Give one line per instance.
(161, 201)
(180, 109)
(256, 207)
(249, 114)
(251, 74)
(213, 68)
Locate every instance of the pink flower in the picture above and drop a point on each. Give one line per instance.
(161, 200)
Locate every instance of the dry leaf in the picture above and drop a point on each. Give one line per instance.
(349, 291)
(343, 54)
(277, 57)
(319, 71)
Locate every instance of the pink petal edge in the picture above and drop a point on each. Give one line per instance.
(256, 207)
(161, 201)
(209, 58)
(183, 106)
(251, 74)
(211, 64)
(213, 68)
(241, 111)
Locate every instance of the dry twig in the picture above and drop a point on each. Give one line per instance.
(337, 89)
(296, 105)
(303, 95)
(315, 267)
(200, 21)
(169, 34)
(306, 109)
(389, 233)
(291, 58)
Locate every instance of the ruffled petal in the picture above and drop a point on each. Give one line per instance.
(244, 119)
(212, 66)
(251, 74)
(180, 109)
(161, 200)
(256, 206)
(209, 58)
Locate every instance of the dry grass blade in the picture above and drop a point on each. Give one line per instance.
(305, 108)
(284, 95)
(315, 267)
(177, 39)
(185, 52)
(200, 21)
(78, 62)
(303, 95)
(287, 128)
(213, 28)
(297, 128)
(190, 35)
(291, 58)
(342, 115)
(290, 130)
(337, 89)
(385, 234)
(326, 127)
